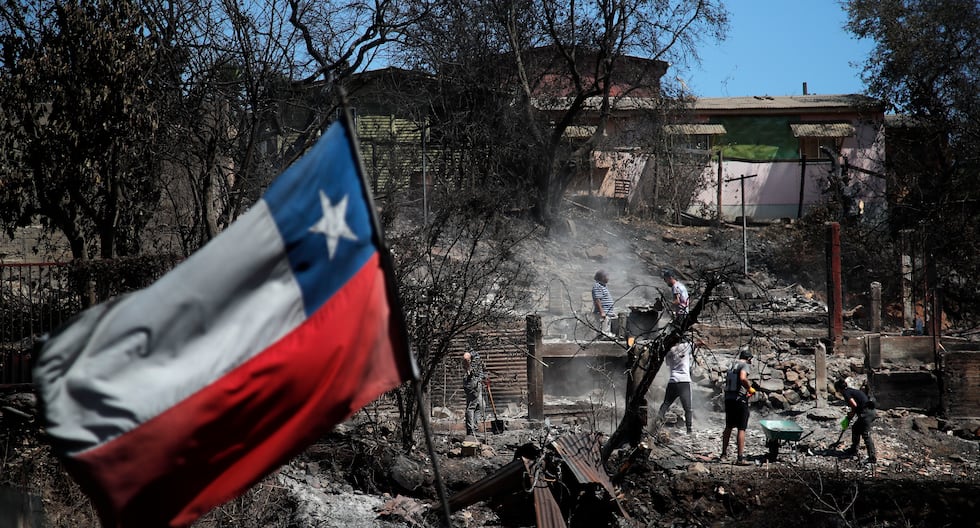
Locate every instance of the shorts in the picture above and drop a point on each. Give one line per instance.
(737, 414)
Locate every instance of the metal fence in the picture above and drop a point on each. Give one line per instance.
(34, 299)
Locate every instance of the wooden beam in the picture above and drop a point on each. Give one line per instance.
(568, 349)
(535, 370)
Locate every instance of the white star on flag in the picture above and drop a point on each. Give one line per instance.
(333, 224)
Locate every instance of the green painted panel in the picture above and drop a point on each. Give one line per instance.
(758, 137)
(751, 152)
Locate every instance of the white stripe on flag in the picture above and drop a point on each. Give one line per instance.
(146, 352)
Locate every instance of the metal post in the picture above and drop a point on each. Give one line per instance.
(721, 169)
(834, 289)
(745, 241)
(535, 374)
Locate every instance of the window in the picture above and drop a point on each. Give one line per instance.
(812, 136)
(695, 141)
(810, 147)
(694, 136)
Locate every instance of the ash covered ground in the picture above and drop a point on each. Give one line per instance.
(358, 476)
(927, 470)
(926, 475)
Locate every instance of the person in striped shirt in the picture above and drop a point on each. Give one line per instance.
(602, 302)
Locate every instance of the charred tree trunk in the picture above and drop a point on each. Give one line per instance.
(648, 362)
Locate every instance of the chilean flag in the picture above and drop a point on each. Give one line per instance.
(171, 400)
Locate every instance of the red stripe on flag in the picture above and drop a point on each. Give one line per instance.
(212, 446)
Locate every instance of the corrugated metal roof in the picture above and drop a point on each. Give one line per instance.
(695, 129)
(792, 102)
(582, 454)
(822, 129)
(579, 132)
(505, 480)
(547, 513)
(729, 105)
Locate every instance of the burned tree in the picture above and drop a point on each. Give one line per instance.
(547, 82)
(79, 123)
(456, 274)
(649, 356)
(925, 65)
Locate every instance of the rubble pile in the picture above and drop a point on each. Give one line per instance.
(782, 379)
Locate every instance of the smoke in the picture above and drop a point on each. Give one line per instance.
(596, 379)
(701, 401)
(566, 263)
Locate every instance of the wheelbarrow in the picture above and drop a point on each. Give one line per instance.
(785, 432)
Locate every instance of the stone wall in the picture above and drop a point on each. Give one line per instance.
(782, 378)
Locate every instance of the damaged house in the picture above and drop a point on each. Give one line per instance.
(792, 153)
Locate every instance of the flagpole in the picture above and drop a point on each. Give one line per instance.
(388, 266)
(378, 234)
(443, 497)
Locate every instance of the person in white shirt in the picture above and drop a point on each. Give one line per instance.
(678, 360)
(679, 296)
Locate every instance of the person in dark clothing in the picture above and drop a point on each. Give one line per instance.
(863, 408)
(473, 378)
(738, 390)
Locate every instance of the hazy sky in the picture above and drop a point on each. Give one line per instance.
(774, 46)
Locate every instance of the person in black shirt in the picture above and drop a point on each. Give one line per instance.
(863, 408)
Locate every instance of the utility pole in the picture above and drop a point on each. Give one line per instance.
(745, 242)
(721, 178)
(425, 180)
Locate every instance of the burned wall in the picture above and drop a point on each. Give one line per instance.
(961, 384)
(905, 374)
